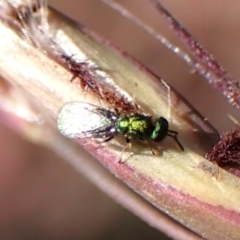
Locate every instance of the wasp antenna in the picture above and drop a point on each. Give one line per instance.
(173, 134)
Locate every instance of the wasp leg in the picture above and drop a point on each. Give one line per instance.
(153, 153)
(143, 140)
(108, 139)
(128, 141)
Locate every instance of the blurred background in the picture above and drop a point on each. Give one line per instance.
(41, 196)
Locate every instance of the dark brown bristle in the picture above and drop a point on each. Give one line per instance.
(226, 153)
(83, 71)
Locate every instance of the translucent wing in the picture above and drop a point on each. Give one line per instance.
(84, 120)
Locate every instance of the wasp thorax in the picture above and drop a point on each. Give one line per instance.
(135, 126)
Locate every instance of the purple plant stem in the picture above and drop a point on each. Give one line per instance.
(208, 66)
(105, 181)
(147, 174)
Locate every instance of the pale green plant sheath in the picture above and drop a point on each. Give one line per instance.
(182, 184)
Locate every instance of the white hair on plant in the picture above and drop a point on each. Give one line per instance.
(34, 18)
(33, 15)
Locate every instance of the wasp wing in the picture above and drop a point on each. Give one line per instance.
(84, 120)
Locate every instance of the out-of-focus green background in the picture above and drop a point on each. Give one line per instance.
(41, 196)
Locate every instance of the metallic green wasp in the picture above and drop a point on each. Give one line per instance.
(84, 120)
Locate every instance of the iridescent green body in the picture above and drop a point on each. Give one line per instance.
(83, 120)
(142, 127)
